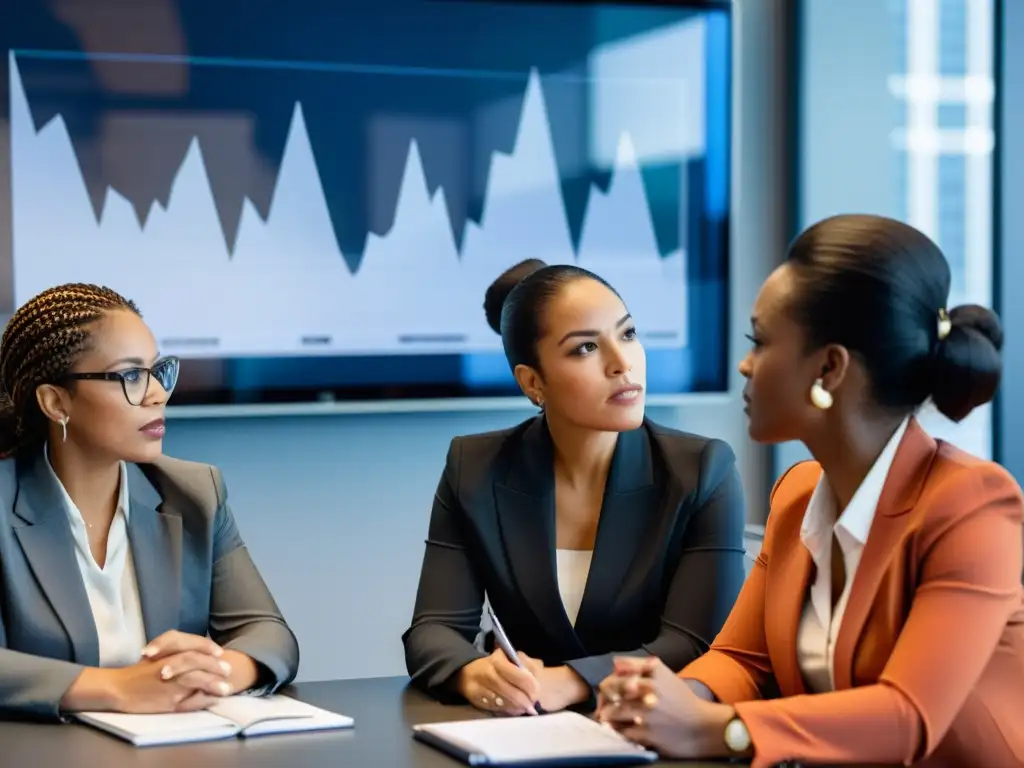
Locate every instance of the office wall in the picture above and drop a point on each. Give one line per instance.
(1010, 234)
(878, 84)
(845, 117)
(335, 509)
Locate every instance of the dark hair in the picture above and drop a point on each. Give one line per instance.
(40, 345)
(879, 288)
(515, 302)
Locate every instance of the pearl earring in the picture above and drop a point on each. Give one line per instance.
(820, 397)
(64, 428)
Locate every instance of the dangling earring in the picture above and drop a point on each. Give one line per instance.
(64, 428)
(820, 397)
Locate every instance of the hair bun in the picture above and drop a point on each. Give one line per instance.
(968, 364)
(498, 291)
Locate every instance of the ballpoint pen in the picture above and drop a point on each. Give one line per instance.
(506, 646)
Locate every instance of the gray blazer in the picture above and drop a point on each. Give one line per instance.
(193, 571)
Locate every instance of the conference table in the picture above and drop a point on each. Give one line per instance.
(384, 709)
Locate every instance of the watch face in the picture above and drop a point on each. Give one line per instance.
(737, 737)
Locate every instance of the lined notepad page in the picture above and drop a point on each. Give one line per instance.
(563, 734)
(246, 710)
(278, 714)
(146, 728)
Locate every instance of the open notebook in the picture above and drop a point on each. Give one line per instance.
(563, 738)
(233, 716)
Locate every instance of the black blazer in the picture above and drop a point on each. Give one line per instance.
(666, 569)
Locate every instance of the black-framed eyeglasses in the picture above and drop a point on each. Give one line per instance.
(135, 381)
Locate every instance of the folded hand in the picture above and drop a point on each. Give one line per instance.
(650, 705)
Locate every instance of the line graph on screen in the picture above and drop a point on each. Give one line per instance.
(417, 290)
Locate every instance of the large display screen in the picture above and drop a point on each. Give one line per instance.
(307, 200)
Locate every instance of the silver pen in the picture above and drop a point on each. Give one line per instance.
(502, 640)
(506, 646)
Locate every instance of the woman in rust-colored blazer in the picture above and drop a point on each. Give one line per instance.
(883, 622)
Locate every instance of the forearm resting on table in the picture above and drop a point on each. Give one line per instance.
(577, 690)
(92, 690)
(95, 688)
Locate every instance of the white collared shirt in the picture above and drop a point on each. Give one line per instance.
(573, 568)
(819, 625)
(112, 590)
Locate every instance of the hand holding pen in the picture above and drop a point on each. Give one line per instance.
(524, 662)
(500, 682)
(559, 686)
(495, 684)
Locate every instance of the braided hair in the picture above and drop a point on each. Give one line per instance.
(40, 345)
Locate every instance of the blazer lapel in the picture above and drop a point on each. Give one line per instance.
(625, 530)
(790, 572)
(156, 553)
(49, 548)
(525, 502)
(902, 488)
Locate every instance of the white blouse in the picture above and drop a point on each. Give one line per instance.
(819, 624)
(573, 568)
(112, 590)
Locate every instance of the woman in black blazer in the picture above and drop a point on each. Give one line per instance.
(590, 530)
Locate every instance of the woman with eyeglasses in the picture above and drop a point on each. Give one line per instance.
(124, 583)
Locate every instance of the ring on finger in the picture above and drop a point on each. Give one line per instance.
(498, 701)
(485, 700)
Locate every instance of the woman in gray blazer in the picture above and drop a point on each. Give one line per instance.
(124, 583)
(590, 529)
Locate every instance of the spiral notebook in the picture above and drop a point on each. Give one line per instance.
(229, 718)
(560, 739)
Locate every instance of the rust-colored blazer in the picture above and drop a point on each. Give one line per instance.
(929, 661)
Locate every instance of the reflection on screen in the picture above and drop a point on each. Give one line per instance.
(298, 224)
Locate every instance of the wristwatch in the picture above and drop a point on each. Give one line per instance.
(737, 737)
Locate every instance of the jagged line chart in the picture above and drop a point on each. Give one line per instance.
(287, 290)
